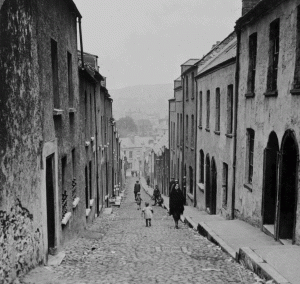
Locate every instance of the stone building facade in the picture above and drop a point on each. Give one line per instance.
(267, 187)
(188, 73)
(215, 111)
(42, 146)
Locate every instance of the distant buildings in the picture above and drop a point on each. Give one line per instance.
(244, 121)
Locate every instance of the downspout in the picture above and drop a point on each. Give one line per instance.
(81, 45)
(195, 146)
(183, 131)
(96, 146)
(237, 78)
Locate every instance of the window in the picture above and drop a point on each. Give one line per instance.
(207, 109)
(297, 66)
(200, 109)
(87, 201)
(130, 154)
(273, 55)
(250, 154)
(217, 127)
(201, 167)
(86, 114)
(187, 130)
(191, 174)
(229, 109)
(178, 129)
(181, 131)
(252, 62)
(90, 179)
(187, 87)
(70, 79)
(225, 185)
(54, 63)
(193, 85)
(91, 116)
(192, 130)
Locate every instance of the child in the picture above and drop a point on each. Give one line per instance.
(160, 200)
(147, 211)
(138, 200)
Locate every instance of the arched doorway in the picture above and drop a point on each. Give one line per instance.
(287, 193)
(207, 182)
(213, 199)
(269, 192)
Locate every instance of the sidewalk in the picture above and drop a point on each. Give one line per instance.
(246, 244)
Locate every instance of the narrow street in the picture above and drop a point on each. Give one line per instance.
(118, 248)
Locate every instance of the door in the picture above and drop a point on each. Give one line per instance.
(207, 184)
(213, 201)
(50, 201)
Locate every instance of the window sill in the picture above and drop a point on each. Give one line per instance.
(200, 127)
(207, 129)
(87, 143)
(217, 132)
(92, 139)
(87, 212)
(75, 202)
(295, 92)
(57, 112)
(248, 186)
(190, 196)
(72, 110)
(66, 218)
(250, 95)
(229, 135)
(271, 94)
(201, 186)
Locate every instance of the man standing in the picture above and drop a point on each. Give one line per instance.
(137, 188)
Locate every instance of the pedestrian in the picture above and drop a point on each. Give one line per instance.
(156, 194)
(160, 200)
(137, 188)
(176, 204)
(138, 200)
(148, 214)
(148, 181)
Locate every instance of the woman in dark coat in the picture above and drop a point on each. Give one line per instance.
(176, 203)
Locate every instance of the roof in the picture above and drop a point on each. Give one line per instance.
(190, 62)
(73, 8)
(226, 53)
(161, 142)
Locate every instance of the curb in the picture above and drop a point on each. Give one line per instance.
(255, 263)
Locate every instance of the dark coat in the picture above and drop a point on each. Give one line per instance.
(156, 192)
(137, 187)
(172, 183)
(176, 202)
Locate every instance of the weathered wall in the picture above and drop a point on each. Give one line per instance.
(217, 145)
(20, 142)
(266, 114)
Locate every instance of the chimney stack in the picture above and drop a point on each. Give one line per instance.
(247, 5)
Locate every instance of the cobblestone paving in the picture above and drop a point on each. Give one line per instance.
(119, 248)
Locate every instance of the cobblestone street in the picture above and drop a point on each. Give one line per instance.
(119, 248)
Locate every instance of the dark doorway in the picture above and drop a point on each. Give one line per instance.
(213, 200)
(269, 183)
(191, 174)
(50, 202)
(207, 183)
(288, 186)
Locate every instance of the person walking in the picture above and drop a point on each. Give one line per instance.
(137, 188)
(156, 194)
(138, 200)
(148, 214)
(176, 204)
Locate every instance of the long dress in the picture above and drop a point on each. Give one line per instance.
(176, 203)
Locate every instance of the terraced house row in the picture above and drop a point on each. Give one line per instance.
(235, 122)
(59, 146)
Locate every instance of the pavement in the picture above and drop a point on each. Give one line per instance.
(247, 244)
(118, 248)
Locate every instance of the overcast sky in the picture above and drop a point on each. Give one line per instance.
(145, 41)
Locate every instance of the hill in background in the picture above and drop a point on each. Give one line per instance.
(142, 100)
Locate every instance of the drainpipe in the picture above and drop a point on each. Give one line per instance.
(81, 45)
(237, 78)
(195, 146)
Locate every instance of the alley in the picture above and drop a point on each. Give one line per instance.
(118, 248)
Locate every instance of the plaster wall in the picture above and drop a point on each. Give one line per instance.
(216, 145)
(265, 114)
